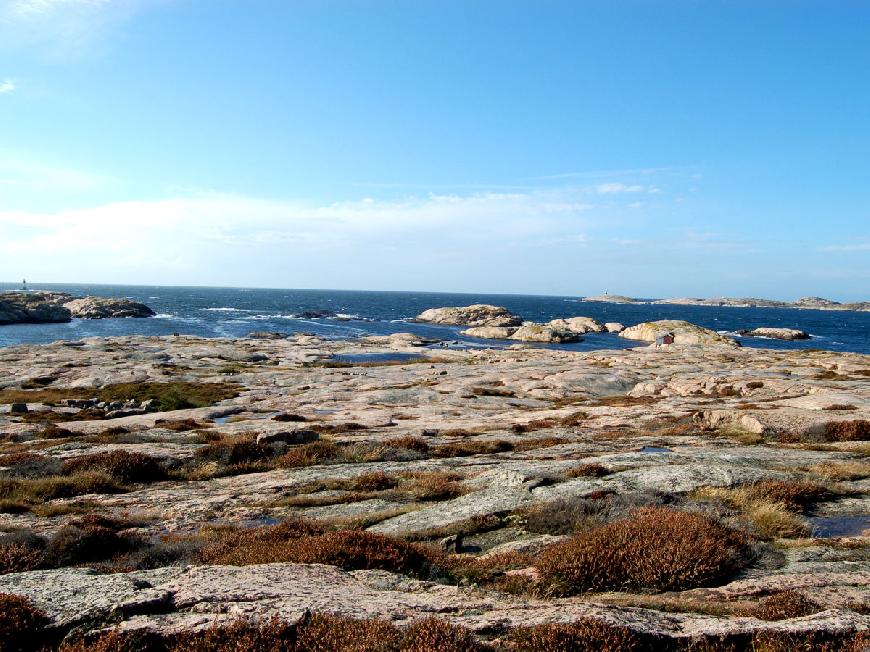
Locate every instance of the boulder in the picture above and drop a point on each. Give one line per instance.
(683, 332)
(580, 325)
(479, 314)
(530, 332)
(614, 327)
(777, 333)
(490, 332)
(107, 307)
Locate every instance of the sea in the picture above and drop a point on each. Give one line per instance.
(344, 314)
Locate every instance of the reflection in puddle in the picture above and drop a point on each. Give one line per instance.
(362, 358)
(655, 449)
(827, 527)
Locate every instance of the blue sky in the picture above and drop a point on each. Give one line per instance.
(648, 148)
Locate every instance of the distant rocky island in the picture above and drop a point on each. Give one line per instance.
(60, 307)
(806, 303)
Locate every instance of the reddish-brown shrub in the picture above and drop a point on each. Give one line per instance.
(325, 633)
(317, 452)
(409, 442)
(858, 430)
(238, 451)
(592, 470)
(348, 549)
(783, 605)
(534, 444)
(123, 466)
(468, 448)
(586, 634)
(16, 557)
(435, 485)
(436, 635)
(655, 548)
(794, 495)
(180, 425)
(375, 481)
(21, 623)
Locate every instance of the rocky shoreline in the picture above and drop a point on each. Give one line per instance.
(60, 307)
(806, 303)
(476, 464)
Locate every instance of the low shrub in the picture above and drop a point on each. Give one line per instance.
(437, 635)
(21, 624)
(541, 442)
(235, 451)
(303, 542)
(317, 452)
(375, 481)
(858, 430)
(576, 514)
(655, 548)
(783, 605)
(123, 466)
(591, 470)
(180, 425)
(40, 490)
(87, 540)
(434, 485)
(19, 556)
(585, 634)
(469, 448)
(409, 442)
(794, 495)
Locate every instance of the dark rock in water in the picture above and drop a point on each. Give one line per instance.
(59, 307)
(315, 314)
(288, 437)
(267, 335)
(107, 307)
(32, 308)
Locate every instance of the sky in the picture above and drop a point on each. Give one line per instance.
(650, 148)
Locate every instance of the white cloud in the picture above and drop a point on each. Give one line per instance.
(861, 246)
(617, 188)
(207, 235)
(28, 173)
(58, 29)
(7, 86)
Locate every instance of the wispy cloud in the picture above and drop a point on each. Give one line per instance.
(859, 246)
(7, 86)
(26, 172)
(206, 231)
(617, 188)
(58, 29)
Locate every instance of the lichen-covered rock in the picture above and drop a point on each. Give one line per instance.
(777, 333)
(530, 332)
(683, 332)
(107, 307)
(479, 314)
(579, 325)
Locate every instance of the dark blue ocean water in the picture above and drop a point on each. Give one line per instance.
(233, 312)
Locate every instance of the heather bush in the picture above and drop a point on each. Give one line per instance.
(29, 465)
(375, 481)
(40, 490)
(655, 548)
(783, 605)
(592, 470)
(121, 465)
(576, 514)
(585, 634)
(857, 430)
(21, 624)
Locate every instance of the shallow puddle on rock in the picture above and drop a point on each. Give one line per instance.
(362, 358)
(655, 449)
(829, 527)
